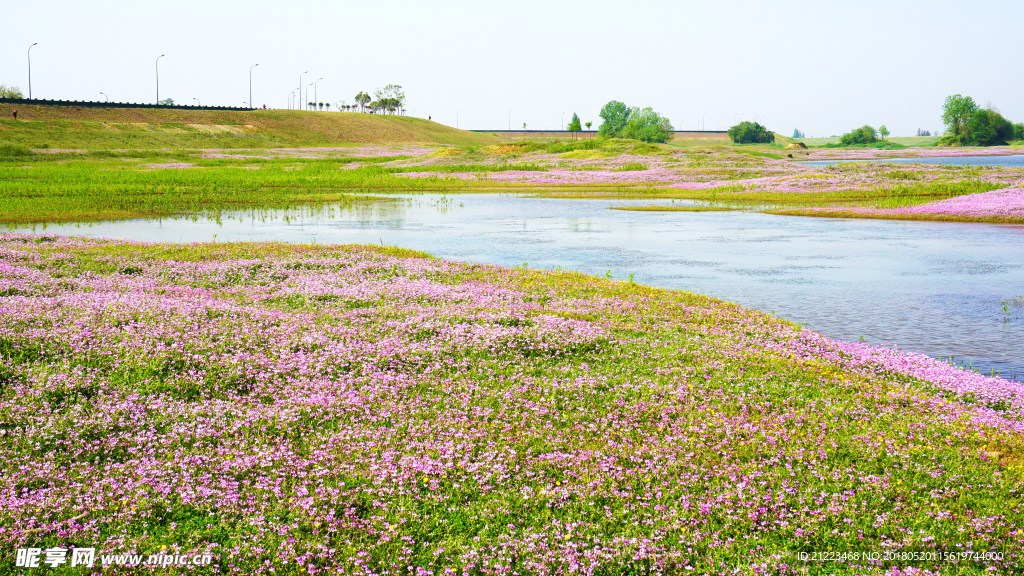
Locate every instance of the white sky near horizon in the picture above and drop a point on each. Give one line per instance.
(821, 66)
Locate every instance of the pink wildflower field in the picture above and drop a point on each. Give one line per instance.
(314, 409)
(1005, 204)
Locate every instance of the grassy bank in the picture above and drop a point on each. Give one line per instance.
(362, 410)
(63, 186)
(148, 128)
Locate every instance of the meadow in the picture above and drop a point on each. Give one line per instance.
(53, 185)
(314, 409)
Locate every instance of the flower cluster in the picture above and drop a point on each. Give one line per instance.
(310, 409)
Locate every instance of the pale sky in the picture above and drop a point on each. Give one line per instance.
(821, 66)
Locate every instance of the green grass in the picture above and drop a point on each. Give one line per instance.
(630, 167)
(888, 196)
(123, 128)
(85, 190)
(901, 140)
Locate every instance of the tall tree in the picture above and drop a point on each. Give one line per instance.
(615, 115)
(883, 131)
(574, 124)
(956, 113)
(362, 99)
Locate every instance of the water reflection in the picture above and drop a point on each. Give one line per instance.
(945, 289)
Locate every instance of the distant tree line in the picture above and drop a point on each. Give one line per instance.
(389, 99)
(798, 134)
(747, 132)
(621, 121)
(967, 124)
(923, 132)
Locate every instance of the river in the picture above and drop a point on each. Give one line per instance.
(944, 289)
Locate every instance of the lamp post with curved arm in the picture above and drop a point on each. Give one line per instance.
(198, 102)
(300, 88)
(29, 52)
(307, 92)
(105, 96)
(250, 84)
(157, 65)
(315, 98)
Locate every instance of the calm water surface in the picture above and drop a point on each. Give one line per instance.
(1016, 161)
(944, 289)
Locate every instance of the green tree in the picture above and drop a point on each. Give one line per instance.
(362, 99)
(588, 125)
(574, 124)
(615, 115)
(863, 135)
(883, 131)
(390, 98)
(647, 125)
(1018, 131)
(166, 102)
(12, 92)
(747, 132)
(988, 128)
(956, 115)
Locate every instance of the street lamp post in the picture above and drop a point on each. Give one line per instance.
(300, 87)
(105, 96)
(198, 102)
(315, 98)
(157, 65)
(250, 85)
(30, 71)
(307, 91)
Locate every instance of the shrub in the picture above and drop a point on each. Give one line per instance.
(647, 126)
(863, 135)
(750, 133)
(9, 151)
(560, 147)
(1018, 131)
(621, 121)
